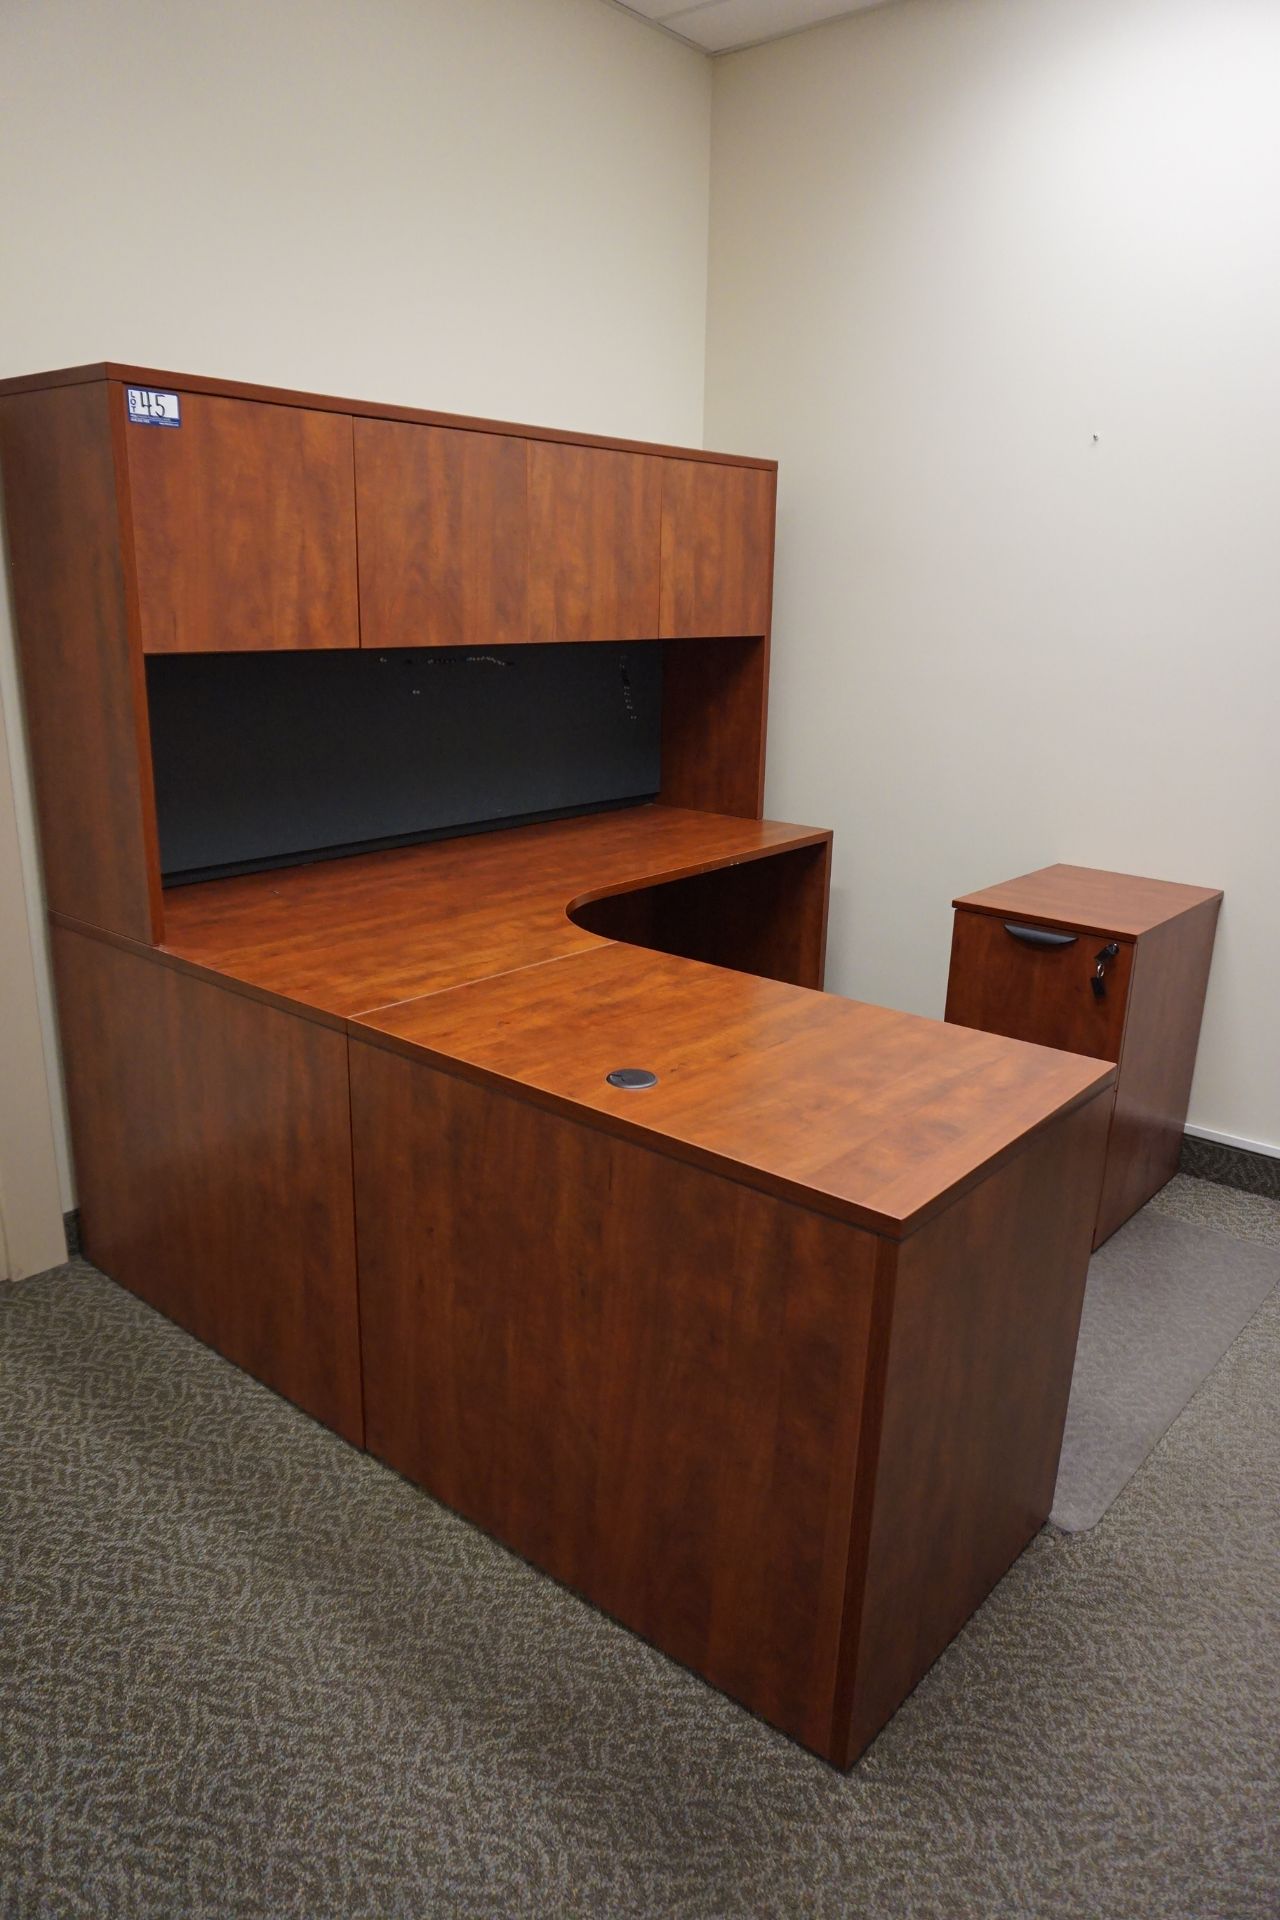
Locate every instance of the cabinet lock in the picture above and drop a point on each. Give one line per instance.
(1099, 980)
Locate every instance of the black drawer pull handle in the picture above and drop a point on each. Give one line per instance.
(1040, 936)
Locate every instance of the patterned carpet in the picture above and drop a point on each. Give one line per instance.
(245, 1671)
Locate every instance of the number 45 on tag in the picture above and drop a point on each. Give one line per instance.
(148, 407)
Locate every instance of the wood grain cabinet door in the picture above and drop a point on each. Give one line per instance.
(244, 528)
(444, 536)
(717, 550)
(595, 532)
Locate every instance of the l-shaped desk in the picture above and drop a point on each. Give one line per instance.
(769, 1360)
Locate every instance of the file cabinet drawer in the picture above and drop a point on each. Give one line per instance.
(1039, 983)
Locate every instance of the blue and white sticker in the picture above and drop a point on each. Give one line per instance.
(148, 407)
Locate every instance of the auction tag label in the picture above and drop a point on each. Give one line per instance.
(150, 408)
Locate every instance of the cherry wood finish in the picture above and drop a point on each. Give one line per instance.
(702, 1351)
(715, 696)
(1148, 1022)
(1157, 1062)
(768, 918)
(594, 538)
(213, 1164)
(194, 970)
(717, 550)
(244, 528)
(876, 1117)
(797, 1470)
(969, 1411)
(653, 1341)
(444, 537)
(556, 1346)
(346, 936)
(370, 409)
(1089, 900)
(237, 530)
(84, 693)
(1044, 995)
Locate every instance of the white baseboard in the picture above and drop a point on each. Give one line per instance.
(1233, 1140)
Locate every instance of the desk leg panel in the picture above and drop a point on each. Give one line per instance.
(645, 1379)
(983, 1325)
(212, 1147)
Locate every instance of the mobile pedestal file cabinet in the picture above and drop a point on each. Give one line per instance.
(1104, 964)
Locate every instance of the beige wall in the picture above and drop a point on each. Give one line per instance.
(951, 243)
(496, 207)
(31, 1237)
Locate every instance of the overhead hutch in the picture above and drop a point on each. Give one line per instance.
(769, 1358)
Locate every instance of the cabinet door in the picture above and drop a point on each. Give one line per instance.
(444, 536)
(244, 528)
(595, 519)
(717, 549)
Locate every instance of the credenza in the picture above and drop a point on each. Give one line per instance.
(535, 1159)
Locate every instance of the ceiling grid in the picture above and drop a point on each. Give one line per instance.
(722, 26)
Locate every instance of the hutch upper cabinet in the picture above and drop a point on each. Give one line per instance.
(253, 520)
(444, 536)
(155, 513)
(466, 533)
(244, 528)
(595, 517)
(717, 549)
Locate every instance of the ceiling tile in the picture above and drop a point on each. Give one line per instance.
(720, 25)
(656, 9)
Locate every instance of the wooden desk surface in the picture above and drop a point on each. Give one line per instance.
(347, 936)
(463, 953)
(878, 1117)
